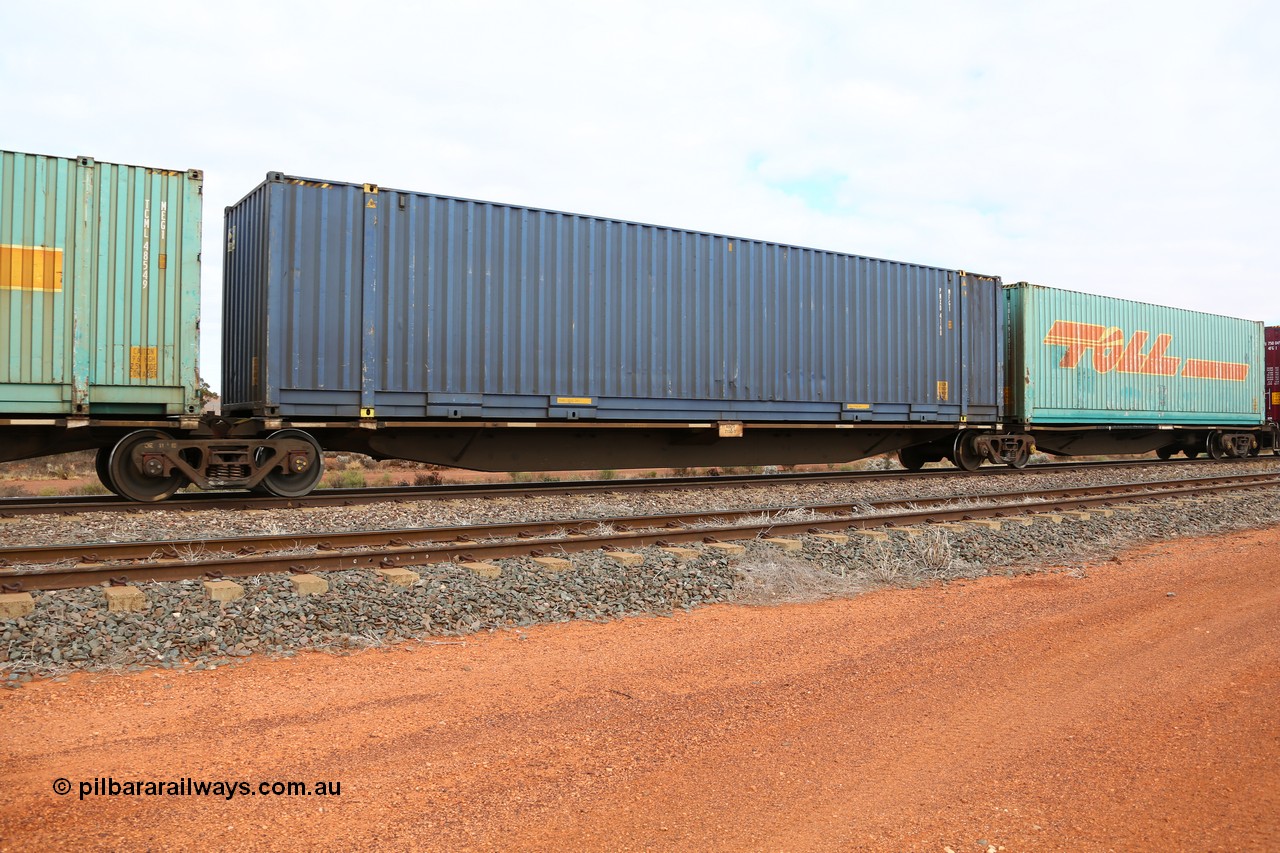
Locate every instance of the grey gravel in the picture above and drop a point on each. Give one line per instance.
(72, 629)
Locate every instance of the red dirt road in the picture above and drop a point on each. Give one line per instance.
(1049, 712)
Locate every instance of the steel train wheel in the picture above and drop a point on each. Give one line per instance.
(1190, 452)
(963, 454)
(102, 464)
(912, 458)
(1214, 447)
(131, 483)
(295, 485)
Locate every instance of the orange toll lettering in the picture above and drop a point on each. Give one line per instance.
(1159, 364)
(1107, 352)
(1227, 371)
(1078, 338)
(1110, 353)
(1133, 360)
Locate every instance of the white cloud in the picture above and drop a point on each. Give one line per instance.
(1118, 148)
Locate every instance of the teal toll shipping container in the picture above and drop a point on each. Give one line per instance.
(1078, 359)
(99, 288)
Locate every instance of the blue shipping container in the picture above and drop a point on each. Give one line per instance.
(347, 301)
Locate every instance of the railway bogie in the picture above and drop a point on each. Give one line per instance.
(148, 461)
(150, 465)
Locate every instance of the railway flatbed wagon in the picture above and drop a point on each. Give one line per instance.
(501, 337)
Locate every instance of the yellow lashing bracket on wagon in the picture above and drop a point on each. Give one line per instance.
(366, 413)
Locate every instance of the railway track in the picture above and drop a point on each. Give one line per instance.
(13, 507)
(91, 564)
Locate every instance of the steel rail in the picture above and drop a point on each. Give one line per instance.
(404, 555)
(77, 504)
(101, 552)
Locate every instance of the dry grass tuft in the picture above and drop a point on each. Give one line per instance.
(783, 579)
(928, 558)
(769, 577)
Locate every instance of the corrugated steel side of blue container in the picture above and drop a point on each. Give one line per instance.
(341, 299)
(1079, 358)
(99, 287)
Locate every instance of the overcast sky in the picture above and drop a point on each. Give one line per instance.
(1120, 148)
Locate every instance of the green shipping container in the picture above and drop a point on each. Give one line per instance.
(99, 287)
(1077, 358)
